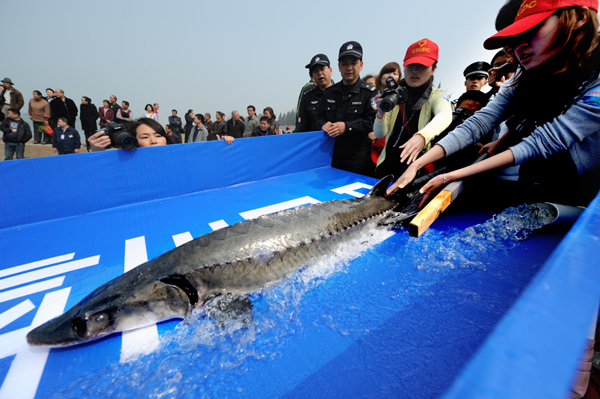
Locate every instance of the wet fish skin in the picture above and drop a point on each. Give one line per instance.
(240, 258)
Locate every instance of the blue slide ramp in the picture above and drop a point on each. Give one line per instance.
(386, 315)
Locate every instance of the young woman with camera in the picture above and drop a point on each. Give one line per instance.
(147, 131)
(554, 126)
(410, 126)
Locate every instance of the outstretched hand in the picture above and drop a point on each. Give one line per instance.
(412, 148)
(407, 177)
(431, 187)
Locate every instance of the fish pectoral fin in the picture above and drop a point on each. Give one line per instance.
(229, 308)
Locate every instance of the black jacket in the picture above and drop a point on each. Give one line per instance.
(22, 135)
(235, 129)
(66, 141)
(356, 112)
(89, 116)
(66, 109)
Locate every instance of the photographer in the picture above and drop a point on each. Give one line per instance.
(147, 131)
(420, 114)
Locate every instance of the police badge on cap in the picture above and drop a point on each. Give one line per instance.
(353, 49)
(319, 59)
(477, 69)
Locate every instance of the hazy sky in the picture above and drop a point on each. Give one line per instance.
(225, 55)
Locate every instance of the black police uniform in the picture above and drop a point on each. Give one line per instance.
(353, 108)
(309, 106)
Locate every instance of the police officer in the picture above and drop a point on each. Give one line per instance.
(476, 75)
(346, 112)
(320, 71)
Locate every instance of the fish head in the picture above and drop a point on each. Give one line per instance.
(107, 312)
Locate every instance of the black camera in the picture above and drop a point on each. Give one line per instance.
(120, 137)
(461, 114)
(392, 95)
(505, 69)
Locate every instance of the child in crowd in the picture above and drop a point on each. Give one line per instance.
(552, 108)
(410, 126)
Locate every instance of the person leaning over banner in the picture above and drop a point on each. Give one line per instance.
(66, 139)
(16, 133)
(147, 131)
(411, 125)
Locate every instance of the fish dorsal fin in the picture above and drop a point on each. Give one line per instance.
(379, 190)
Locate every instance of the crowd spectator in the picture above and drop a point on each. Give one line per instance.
(147, 131)
(269, 113)
(106, 114)
(175, 123)
(124, 114)
(189, 124)
(88, 114)
(219, 127)
(10, 97)
(476, 75)
(63, 106)
(16, 134)
(496, 79)
(235, 127)
(320, 72)
(156, 107)
(346, 112)
(263, 128)
(65, 139)
(252, 121)
(150, 113)
(199, 131)
(370, 79)
(208, 123)
(39, 113)
(49, 95)
(175, 139)
(113, 105)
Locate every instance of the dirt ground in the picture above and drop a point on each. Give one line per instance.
(36, 150)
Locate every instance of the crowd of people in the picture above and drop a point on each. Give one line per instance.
(53, 119)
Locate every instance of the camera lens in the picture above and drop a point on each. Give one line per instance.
(128, 143)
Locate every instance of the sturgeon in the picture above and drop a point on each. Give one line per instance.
(240, 258)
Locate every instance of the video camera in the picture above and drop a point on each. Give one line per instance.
(120, 137)
(392, 95)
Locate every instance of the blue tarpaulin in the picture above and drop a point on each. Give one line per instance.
(385, 316)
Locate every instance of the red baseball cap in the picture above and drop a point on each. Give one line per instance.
(424, 52)
(532, 13)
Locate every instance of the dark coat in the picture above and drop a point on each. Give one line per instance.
(106, 115)
(66, 108)
(69, 143)
(235, 129)
(22, 135)
(89, 116)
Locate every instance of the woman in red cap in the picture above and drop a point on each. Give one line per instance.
(552, 109)
(410, 126)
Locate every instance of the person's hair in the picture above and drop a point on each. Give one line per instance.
(112, 95)
(271, 111)
(208, 114)
(106, 101)
(149, 105)
(234, 112)
(507, 14)
(63, 92)
(39, 93)
(174, 110)
(388, 68)
(148, 122)
(220, 114)
(87, 99)
(50, 90)
(155, 103)
(14, 111)
(367, 77)
(125, 102)
(200, 117)
(65, 120)
(474, 95)
(499, 54)
(253, 108)
(190, 111)
(264, 119)
(169, 127)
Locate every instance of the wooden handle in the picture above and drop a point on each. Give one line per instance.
(427, 216)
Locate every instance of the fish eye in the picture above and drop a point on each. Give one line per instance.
(100, 318)
(79, 326)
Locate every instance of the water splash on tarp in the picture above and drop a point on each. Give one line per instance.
(203, 359)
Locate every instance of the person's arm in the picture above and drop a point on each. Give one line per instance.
(501, 160)
(436, 153)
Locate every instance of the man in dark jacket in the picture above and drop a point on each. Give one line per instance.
(62, 106)
(89, 116)
(16, 133)
(346, 112)
(235, 127)
(10, 98)
(65, 139)
(219, 128)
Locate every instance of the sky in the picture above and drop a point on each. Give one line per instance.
(224, 56)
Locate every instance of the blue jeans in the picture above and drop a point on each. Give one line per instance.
(11, 148)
